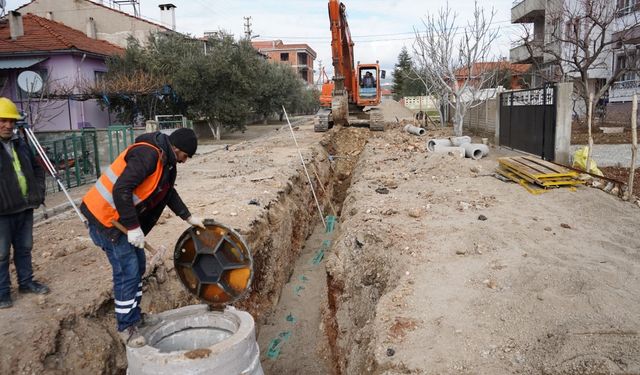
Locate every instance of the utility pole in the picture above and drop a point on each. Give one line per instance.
(247, 28)
(319, 81)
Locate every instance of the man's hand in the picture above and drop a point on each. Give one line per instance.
(136, 237)
(196, 222)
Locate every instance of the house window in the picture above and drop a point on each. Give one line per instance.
(99, 76)
(44, 74)
(623, 62)
(284, 56)
(627, 6)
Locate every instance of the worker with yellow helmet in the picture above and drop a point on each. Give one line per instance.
(22, 189)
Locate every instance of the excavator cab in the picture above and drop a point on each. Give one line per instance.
(368, 90)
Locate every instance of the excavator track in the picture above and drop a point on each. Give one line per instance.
(376, 120)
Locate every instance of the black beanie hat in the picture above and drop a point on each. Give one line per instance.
(185, 140)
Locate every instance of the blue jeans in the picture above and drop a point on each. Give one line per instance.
(128, 265)
(16, 230)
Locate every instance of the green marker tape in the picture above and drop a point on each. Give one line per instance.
(331, 223)
(298, 289)
(276, 345)
(290, 318)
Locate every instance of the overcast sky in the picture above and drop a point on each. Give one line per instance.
(379, 27)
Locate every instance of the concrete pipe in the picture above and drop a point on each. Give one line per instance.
(459, 141)
(414, 130)
(432, 143)
(476, 151)
(195, 340)
(455, 151)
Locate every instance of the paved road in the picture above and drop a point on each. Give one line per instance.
(610, 155)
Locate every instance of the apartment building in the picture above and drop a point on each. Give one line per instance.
(547, 19)
(301, 57)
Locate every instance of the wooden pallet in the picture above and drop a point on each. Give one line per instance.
(537, 175)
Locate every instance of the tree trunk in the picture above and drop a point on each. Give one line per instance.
(589, 117)
(215, 130)
(459, 120)
(634, 145)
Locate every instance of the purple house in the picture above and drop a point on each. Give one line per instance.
(67, 62)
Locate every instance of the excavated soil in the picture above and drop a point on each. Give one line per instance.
(440, 268)
(437, 266)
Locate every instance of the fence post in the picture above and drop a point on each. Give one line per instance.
(499, 92)
(634, 145)
(563, 122)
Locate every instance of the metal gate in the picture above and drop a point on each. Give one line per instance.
(528, 121)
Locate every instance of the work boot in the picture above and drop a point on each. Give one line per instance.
(6, 302)
(148, 320)
(34, 287)
(132, 337)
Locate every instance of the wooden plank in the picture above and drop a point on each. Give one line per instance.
(535, 166)
(544, 171)
(554, 167)
(532, 171)
(518, 166)
(531, 188)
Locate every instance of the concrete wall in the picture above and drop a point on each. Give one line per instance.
(564, 103)
(111, 25)
(482, 119)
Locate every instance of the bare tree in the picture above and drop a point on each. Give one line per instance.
(46, 103)
(447, 55)
(585, 37)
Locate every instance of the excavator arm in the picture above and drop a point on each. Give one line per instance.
(341, 48)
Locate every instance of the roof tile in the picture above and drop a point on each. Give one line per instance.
(41, 34)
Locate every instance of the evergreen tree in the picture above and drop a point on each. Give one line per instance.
(405, 80)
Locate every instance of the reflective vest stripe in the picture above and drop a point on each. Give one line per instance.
(99, 199)
(113, 178)
(106, 195)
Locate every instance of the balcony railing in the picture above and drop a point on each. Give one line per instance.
(527, 11)
(520, 54)
(625, 89)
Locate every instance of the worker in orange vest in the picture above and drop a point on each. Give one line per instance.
(21, 190)
(134, 190)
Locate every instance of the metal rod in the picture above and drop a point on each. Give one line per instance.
(52, 171)
(304, 165)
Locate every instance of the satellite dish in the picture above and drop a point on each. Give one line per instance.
(30, 82)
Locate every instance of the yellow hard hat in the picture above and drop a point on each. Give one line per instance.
(9, 110)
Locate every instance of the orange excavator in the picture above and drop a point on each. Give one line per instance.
(350, 98)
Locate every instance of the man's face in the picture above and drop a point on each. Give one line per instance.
(181, 156)
(6, 128)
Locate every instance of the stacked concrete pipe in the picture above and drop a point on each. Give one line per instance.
(414, 130)
(458, 145)
(475, 151)
(455, 151)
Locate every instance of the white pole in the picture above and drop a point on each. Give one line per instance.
(52, 170)
(304, 165)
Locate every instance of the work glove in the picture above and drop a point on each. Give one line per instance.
(136, 237)
(196, 222)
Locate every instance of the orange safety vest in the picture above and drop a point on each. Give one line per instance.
(99, 200)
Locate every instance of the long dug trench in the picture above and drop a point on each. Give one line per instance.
(72, 331)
